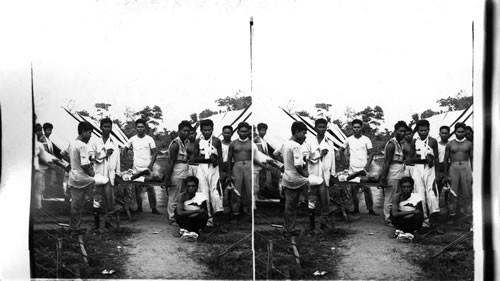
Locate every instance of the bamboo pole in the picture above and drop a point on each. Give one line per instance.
(58, 257)
(269, 259)
(295, 251)
(82, 248)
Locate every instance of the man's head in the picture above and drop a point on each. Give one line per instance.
(184, 129)
(406, 184)
(422, 128)
(243, 130)
(227, 133)
(460, 131)
(38, 131)
(262, 129)
(321, 125)
(400, 130)
(409, 134)
(469, 133)
(444, 133)
(192, 135)
(299, 131)
(140, 126)
(206, 127)
(106, 126)
(191, 184)
(356, 127)
(85, 131)
(47, 129)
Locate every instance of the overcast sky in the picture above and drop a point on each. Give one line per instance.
(400, 55)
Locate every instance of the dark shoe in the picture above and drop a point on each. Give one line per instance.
(156, 212)
(356, 211)
(372, 212)
(222, 229)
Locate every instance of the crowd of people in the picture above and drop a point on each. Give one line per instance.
(203, 178)
(417, 170)
(207, 179)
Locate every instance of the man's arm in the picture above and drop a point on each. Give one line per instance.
(434, 146)
(471, 151)
(230, 155)
(389, 154)
(154, 153)
(446, 160)
(371, 154)
(173, 150)
(218, 147)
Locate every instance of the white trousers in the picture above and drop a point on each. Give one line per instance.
(425, 186)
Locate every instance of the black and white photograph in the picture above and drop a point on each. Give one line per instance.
(364, 123)
(249, 140)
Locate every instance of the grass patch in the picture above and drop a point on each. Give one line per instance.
(102, 250)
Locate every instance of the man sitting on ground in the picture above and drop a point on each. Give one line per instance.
(407, 211)
(191, 211)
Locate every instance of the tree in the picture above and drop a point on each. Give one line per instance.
(194, 118)
(151, 115)
(428, 113)
(207, 113)
(371, 117)
(303, 113)
(236, 102)
(459, 102)
(102, 110)
(83, 112)
(325, 106)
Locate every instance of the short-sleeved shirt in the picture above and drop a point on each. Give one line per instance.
(142, 151)
(78, 152)
(293, 156)
(358, 151)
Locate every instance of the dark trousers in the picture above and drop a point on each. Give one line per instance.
(77, 203)
(192, 224)
(291, 204)
(151, 195)
(408, 225)
(368, 196)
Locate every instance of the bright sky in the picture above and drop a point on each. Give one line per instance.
(400, 55)
(137, 54)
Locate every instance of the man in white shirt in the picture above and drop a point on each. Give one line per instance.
(41, 163)
(295, 178)
(81, 176)
(265, 177)
(321, 163)
(144, 148)
(360, 157)
(444, 135)
(106, 163)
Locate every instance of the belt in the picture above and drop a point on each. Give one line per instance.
(460, 162)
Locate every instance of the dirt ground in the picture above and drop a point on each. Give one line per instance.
(361, 249)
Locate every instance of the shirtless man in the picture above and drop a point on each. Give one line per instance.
(208, 156)
(240, 151)
(424, 155)
(406, 151)
(459, 154)
(177, 168)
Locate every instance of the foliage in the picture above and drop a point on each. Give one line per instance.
(83, 112)
(207, 113)
(371, 117)
(325, 106)
(235, 102)
(102, 110)
(151, 115)
(428, 113)
(193, 117)
(304, 113)
(459, 102)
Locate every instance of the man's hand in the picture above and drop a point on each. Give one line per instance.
(383, 181)
(109, 152)
(430, 160)
(167, 182)
(324, 152)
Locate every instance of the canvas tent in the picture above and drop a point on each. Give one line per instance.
(232, 118)
(279, 123)
(450, 118)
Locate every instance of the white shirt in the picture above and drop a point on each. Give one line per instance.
(441, 151)
(319, 166)
(142, 151)
(293, 156)
(78, 152)
(225, 151)
(358, 152)
(106, 166)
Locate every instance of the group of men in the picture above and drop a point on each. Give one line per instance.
(435, 167)
(222, 169)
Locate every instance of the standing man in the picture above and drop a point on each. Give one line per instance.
(227, 134)
(240, 151)
(406, 151)
(177, 168)
(144, 149)
(360, 157)
(469, 133)
(81, 176)
(49, 146)
(424, 155)
(321, 163)
(208, 156)
(190, 152)
(41, 162)
(106, 163)
(393, 169)
(459, 172)
(265, 176)
(295, 178)
(444, 134)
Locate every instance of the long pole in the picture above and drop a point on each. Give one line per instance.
(251, 54)
(472, 61)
